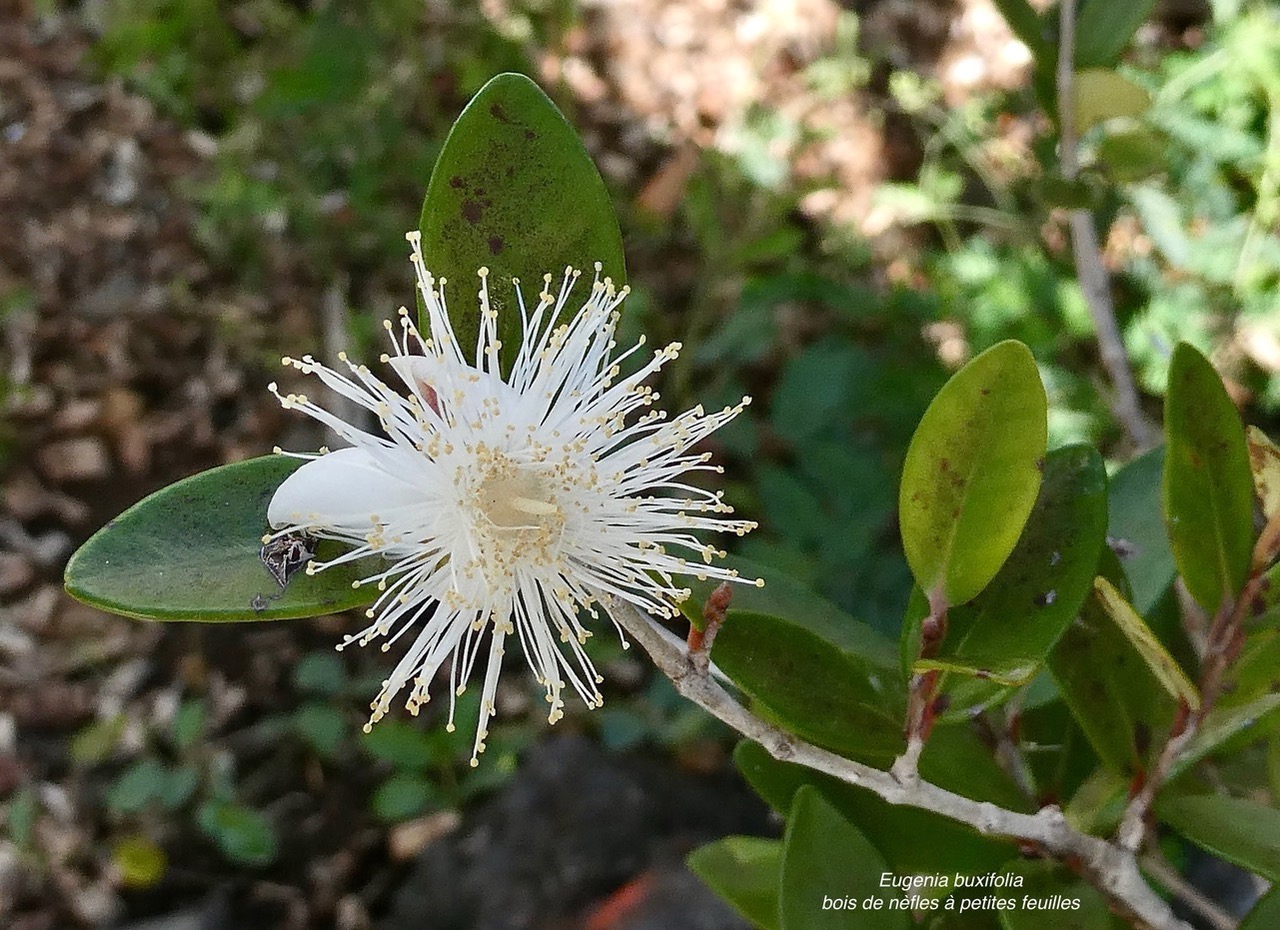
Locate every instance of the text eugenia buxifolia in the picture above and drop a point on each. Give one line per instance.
(976, 898)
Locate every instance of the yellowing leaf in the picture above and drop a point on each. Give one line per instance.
(1102, 94)
(1135, 629)
(1264, 459)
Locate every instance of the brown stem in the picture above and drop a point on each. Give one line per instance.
(1095, 283)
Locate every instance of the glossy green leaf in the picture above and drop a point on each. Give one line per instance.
(1208, 485)
(825, 856)
(1049, 882)
(745, 871)
(819, 691)
(1136, 528)
(1104, 29)
(1240, 831)
(783, 596)
(1114, 696)
(1010, 628)
(515, 191)
(192, 552)
(1265, 915)
(1102, 94)
(892, 829)
(956, 758)
(972, 472)
(1165, 668)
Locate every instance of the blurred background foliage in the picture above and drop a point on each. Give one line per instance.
(885, 204)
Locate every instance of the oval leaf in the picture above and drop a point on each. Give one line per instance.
(1208, 485)
(1019, 617)
(1136, 530)
(1240, 831)
(1102, 94)
(825, 856)
(972, 472)
(192, 551)
(745, 871)
(515, 191)
(819, 691)
(1105, 27)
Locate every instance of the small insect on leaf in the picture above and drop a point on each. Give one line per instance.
(284, 555)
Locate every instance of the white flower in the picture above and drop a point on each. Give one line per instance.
(512, 507)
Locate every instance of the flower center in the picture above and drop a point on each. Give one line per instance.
(517, 500)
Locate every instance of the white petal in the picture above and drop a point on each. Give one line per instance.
(340, 490)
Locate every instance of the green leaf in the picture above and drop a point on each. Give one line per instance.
(1208, 485)
(188, 724)
(1102, 94)
(192, 552)
(401, 744)
(177, 786)
(1024, 21)
(1265, 915)
(244, 835)
(1240, 831)
(1165, 668)
(825, 856)
(819, 691)
(1136, 529)
(956, 759)
(320, 672)
(322, 726)
(892, 829)
(1133, 153)
(1227, 728)
(1113, 694)
(515, 191)
(98, 741)
(1045, 880)
(1019, 617)
(1104, 29)
(972, 472)
(783, 596)
(745, 871)
(1256, 671)
(137, 786)
(403, 796)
